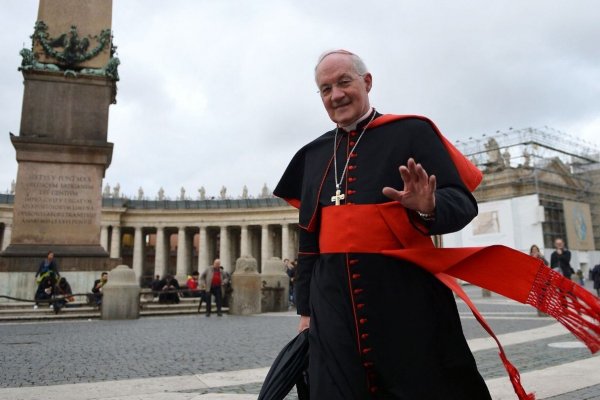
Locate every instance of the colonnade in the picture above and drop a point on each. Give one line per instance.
(195, 247)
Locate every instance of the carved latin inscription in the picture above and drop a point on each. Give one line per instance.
(62, 199)
(57, 204)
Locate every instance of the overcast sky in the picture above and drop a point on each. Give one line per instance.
(221, 92)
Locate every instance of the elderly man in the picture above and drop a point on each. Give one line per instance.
(380, 327)
(214, 279)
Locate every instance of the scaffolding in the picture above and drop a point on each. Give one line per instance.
(539, 143)
(544, 161)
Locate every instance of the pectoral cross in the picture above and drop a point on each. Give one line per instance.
(338, 196)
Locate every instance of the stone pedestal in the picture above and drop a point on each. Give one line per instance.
(275, 290)
(246, 285)
(121, 295)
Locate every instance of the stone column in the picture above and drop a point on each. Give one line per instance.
(160, 255)
(265, 245)
(244, 242)
(115, 242)
(138, 252)
(6, 237)
(285, 241)
(104, 237)
(224, 254)
(182, 264)
(203, 260)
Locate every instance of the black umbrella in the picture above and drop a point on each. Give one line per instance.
(288, 369)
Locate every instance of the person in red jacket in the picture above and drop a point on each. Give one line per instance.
(215, 278)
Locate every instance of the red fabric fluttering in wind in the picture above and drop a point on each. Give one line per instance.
(500, 269)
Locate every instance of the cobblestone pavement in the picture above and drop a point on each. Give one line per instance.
(68, 353)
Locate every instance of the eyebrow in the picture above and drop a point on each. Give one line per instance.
(345, 75)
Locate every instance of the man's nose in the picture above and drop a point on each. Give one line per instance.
(337, 93)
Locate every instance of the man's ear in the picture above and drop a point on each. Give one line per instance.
(368, 78)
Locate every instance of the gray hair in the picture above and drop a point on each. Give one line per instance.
(359, 65)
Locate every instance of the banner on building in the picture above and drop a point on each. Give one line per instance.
(578, 223)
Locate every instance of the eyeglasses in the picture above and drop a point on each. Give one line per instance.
(343, 83)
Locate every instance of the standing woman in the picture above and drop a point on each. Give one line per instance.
(534, 251)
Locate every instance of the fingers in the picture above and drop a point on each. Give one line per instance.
(413, 175)
(419, 188)
(392, 193)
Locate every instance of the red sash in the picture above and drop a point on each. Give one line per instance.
(386, 229)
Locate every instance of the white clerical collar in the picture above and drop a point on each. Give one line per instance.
(352, 126)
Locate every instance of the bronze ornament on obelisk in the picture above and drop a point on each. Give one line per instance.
(70, 76)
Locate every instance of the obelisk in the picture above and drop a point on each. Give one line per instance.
(70, 76)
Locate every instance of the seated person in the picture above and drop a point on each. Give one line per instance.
(97, 288)
(154, 285)
(64, 294)
(193, 286)
(45, 291)
(169, 288)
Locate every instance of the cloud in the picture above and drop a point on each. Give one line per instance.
(222, 93)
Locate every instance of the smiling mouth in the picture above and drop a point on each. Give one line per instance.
(342, 105)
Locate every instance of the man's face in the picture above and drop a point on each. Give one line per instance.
(104, 277)
(50, 256)
(559, 244)
(217, 263)
(345, 94)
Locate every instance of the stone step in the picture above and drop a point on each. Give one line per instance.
(44, 313)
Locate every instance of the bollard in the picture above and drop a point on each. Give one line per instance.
(275, 286)
(121, 295)
(245, 285)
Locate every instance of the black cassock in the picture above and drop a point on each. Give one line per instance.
(380, 328)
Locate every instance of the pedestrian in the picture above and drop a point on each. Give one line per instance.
(290, 270)
(98, 287)
(534, 251)
(560, 259)
(379, 327)
(595, 275)
(47, 267)
(214, 278)
(226, 289)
